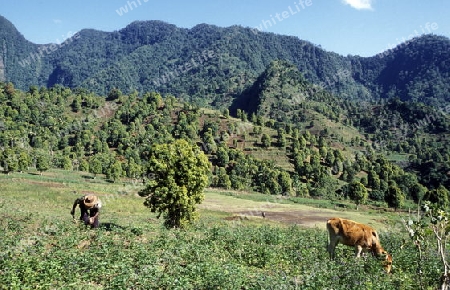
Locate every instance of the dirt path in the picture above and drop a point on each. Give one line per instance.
(284, 213)
(306, 218)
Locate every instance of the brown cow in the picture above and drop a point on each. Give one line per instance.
(357, 235)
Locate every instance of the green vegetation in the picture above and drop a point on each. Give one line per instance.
(179, 175)
(147, 56)
(42, 247)
(108, 147)
(116, 137)
(264, 120)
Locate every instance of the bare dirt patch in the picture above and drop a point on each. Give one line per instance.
(289, 214)
(305, 218)
(311, 218)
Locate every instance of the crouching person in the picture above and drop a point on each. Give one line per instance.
(90, 209)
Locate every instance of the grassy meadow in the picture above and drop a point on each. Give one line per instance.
(231, 246)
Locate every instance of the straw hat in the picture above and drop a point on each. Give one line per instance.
(90, 200)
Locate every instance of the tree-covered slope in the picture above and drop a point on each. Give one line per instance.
(323, 155)
(282, 93)
(417, 70)
(14, 49)
(213, 65)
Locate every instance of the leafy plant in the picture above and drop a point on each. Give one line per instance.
(179, 175)
(434, 217)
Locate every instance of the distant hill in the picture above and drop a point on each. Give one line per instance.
(283, 94)
(214, 65)
(417, 70)
(14, 47)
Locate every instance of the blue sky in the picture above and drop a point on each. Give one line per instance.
(357, 27)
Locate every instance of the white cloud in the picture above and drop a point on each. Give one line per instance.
(359, 4)
(57, 21)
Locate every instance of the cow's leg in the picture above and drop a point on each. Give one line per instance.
(358, 251)
(332, 246)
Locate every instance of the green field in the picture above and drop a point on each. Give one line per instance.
(231, 246)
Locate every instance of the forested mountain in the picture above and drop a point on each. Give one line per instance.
(310, 122)
(13, 47)
(214, 65)
(417, 70)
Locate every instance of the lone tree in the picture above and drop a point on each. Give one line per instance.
(179, 174)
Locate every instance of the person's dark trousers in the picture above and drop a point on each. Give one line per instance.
(86, 220)
(83, 214)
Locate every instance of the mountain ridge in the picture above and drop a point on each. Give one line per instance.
(134, 57)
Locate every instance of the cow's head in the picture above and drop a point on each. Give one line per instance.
(387, 260)
(388, 263)
(380, 253)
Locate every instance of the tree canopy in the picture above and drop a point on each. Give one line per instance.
(179, 173)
